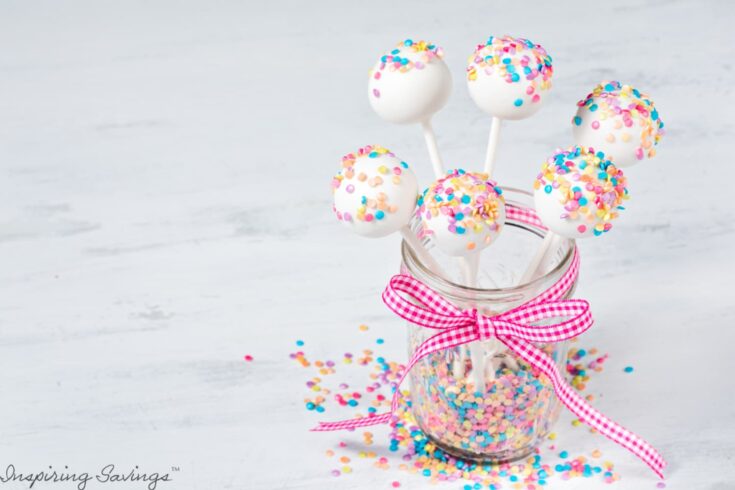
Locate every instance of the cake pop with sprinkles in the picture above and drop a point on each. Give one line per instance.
(508, 78)
(463, 211)
(579, 192)
(374, 192)
(408, 85)
(619, 120)
(375, 195)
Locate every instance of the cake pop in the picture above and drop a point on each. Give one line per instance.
(577, 194)
(620, 121)
(409, 85)
(375, 195)
(464, 212)
(508, 78)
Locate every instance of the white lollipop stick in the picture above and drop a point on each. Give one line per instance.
(492, 146)
(471, 265)
(436, 159)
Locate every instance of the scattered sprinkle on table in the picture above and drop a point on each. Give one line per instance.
(628, 369)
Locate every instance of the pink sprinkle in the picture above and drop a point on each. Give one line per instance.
(350, 189)
(396, 484)
(376, 93)
(535, 98)
(595, 124)
(581, 228)
(660, 485)
(377, 75)
(418, 65)
(248, 358)
(335, 472)
(639, 153)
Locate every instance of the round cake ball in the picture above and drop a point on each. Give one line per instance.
(463, 211)
(410, 84)
(620, 121)
(579, 192)
(509, 77)
(375, 192)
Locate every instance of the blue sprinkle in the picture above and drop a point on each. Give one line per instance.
(459, 216)
(379, 214)
(582, 201)
(395, 51)
(593, 107)
(408, 42)
(563, 454)
(654, 114)
(610, 87)
(515, 77)
(518, 102)
(373, 154)
(404, 165)
(380, 341)
(577, 120)
(427, 472)
(352, 403)
(460, 230)
(548, 189)
(506, 61)
(299, 343)
(310, 406)
(628, 369)
(466, 199)
(320, 409)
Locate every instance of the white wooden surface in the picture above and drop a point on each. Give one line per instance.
(165, 210)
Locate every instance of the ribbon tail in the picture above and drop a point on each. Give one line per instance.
(353, 423)
(586, 413)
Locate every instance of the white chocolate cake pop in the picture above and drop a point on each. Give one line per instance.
(375, 192)
(509, 78)
(410, 84)
(463, 211)
(579, 192)
(619, 120)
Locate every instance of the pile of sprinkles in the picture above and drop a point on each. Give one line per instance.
(515, 60)
(413, 454)
(630, 109)
(371, 209)
(470, 202)
(406, 56)
(591, 187)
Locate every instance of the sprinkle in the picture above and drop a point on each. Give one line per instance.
(379, 341)
(518, 102)
(577, 120)
(628, 369)
(248, 357)
(299, 343)
(363, 328)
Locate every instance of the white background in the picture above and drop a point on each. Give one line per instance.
(165, 210)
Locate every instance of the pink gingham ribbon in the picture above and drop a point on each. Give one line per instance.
(517, 329)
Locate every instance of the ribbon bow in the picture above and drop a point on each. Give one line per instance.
(517, 329)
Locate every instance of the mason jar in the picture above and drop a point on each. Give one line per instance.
(514, 411)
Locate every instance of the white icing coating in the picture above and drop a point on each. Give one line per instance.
(463, 211)
(579, 192)
(509, 78)
(409, 84)
(375, 192)
(619, 120)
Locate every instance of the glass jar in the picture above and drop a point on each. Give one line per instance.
(508, 417)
